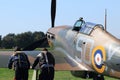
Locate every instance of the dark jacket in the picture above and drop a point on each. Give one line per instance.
(14, 59)
(42, 60)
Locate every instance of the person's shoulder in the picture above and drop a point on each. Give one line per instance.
(40, 54)
(12, 56)
(49, 53)
(19, 53)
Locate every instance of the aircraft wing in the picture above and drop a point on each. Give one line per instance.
(40, 43)
(67, 63)
(62, 62)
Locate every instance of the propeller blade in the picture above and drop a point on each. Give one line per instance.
(43, 42)
(53, 12)
(40, 43)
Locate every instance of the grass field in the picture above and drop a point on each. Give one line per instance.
(6, 74)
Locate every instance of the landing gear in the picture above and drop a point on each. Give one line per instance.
(98, 77)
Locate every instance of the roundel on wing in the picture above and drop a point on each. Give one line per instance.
(98, 56)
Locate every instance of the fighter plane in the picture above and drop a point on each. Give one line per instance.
(86, 49)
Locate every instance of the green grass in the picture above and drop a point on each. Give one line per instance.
(7, 74)
(66, 75)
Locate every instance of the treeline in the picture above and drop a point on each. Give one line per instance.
(11, 40)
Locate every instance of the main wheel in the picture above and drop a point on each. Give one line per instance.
(98, 77)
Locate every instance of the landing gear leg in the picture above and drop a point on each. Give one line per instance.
(98, 77)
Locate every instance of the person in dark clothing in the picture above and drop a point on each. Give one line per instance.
(46, 63)
(21, 64)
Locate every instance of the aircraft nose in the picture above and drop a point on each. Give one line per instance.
(114, 58)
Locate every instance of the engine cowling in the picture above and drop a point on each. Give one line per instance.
(82, 74)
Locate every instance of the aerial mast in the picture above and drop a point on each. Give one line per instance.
(105, 19)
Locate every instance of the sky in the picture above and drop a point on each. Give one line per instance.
(18, 16)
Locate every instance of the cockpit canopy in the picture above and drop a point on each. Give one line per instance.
(85, 27)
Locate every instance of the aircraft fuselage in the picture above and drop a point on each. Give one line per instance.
(97, 51)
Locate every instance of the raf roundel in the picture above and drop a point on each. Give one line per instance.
(98, 56)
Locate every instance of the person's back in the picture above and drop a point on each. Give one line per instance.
(47, 62)
(21, 64)
(51, 59)
(21, 61)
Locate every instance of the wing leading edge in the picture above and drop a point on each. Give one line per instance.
(68, 63)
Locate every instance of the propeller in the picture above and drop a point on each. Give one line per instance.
(40, 43)
(43, 42)
(53, 12)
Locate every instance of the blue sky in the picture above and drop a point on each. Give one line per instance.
(17, 16)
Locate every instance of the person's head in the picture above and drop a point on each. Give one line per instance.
(17, 49)
(45, 49)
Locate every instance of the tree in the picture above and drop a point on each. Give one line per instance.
(38, 35)
(24, 39)
(8, 41)
(0, 41)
